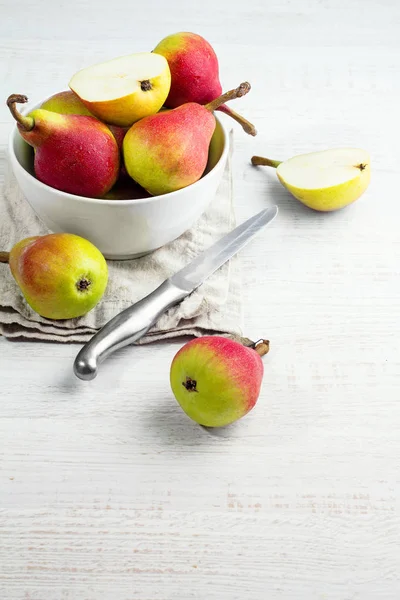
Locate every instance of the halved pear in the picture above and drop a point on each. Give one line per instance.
(123, 90)
(325, 180)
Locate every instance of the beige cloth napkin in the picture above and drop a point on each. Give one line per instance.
(214, 308)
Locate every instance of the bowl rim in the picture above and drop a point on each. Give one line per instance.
(107, 201)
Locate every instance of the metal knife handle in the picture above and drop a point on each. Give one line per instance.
(125, 328)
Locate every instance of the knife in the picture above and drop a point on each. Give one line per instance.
(133, 322)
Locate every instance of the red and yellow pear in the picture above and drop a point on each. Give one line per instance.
(217, 380)
(185, 132)
(194, 73)
(68, 103)
(73, 153)
(61, 275)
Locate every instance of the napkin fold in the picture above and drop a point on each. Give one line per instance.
(214, 308)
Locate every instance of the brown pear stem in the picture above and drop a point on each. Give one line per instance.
(266, 162)
(246, 125)
(262, 347)
(26, 123)
(240, 91)
(4, 256)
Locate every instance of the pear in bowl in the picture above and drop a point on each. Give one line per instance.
(123, 90)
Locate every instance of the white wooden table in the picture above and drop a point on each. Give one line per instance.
(107, 490)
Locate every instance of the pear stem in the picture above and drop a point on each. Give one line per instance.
(246, 125)
(262, 347)
(240, 91)
(266, 162)
(4, 256)
(27, 123)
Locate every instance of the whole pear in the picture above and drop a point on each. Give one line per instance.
(217, 380)
(68, 103)
(73, 153)
(169, 150)
(61, 275)
(326, 180)
(194, 73)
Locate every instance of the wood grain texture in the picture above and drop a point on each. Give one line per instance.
(107, 490)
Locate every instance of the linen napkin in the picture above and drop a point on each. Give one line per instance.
(214, 308)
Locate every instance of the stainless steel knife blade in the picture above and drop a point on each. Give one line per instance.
(206, 263)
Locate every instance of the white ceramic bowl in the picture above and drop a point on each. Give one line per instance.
(121, 229)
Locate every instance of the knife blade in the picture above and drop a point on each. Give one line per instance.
(133, 323)
(204, 265)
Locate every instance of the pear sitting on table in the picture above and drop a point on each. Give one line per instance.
(325, 181)
(169, 150)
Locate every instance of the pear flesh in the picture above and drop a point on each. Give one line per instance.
(123, 90)
(326, 180)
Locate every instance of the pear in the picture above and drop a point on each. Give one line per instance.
(169, 151)
(61, 275)
(194, 73)
(217, 380)
(73, 153)
(66, 103)
(326, 180)
(123, 90)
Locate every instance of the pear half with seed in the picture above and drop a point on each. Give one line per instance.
(325, 180)
(123, 90)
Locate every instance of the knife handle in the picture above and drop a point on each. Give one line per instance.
(125, 328)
